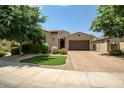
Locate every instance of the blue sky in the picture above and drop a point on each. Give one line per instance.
(70, 18)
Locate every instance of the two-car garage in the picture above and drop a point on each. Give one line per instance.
(78, 44)
(79, 41)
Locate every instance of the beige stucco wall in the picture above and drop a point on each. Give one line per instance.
(121, 41)
(50, 40)
(81, 37)
(101, 47)
(62, 34)
(53, 38)
(122, 46)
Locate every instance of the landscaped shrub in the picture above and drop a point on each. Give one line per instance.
(54, 50)
(116, 52)
(15, 50)
(36, 48)
(14, 44)
(5, 48)
(44, 48)
(1, 48)
(2, 53)
(26, 48)
(62, 51)
(4, 42)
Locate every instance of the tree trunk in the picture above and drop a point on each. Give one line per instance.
(20, 49)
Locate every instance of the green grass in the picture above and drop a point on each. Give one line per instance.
(46, 60)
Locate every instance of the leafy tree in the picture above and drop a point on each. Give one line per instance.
(110, 21)
(6, 15)
(21, 23)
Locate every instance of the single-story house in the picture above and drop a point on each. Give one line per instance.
(63, 39)
(80, 41)
(106, 44)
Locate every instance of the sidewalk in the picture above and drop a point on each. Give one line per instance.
(22, 75)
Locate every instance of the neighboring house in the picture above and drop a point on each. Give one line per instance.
(106, 44)
(62, 39)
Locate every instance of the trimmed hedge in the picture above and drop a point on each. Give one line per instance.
(31, 48)
(15, 50)
(44, 48)
(36, 48)
(2, 53)
(62, 51)
(26, 48)
(14, 44)
(116, 52)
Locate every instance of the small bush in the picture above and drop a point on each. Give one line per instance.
(14, 44)
(15, 50)
(54, 49)
(26, 48)
(44, 48)
(5, 48)
(62, 51)
(116, 52)
(36, 48)
(2, 53)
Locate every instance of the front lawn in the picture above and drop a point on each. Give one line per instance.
(46, 60)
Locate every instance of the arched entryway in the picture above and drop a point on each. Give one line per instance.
(62, 43)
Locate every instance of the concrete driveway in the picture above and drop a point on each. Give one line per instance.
(91, 61)
(90, 70)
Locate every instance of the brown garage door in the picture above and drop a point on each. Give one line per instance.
(78, 44)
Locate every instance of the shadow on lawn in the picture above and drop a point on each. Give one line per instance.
(14, 64)
(37, 59)
(14, 60)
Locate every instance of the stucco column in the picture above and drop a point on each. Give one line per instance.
(66, 44)
(90, 45)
